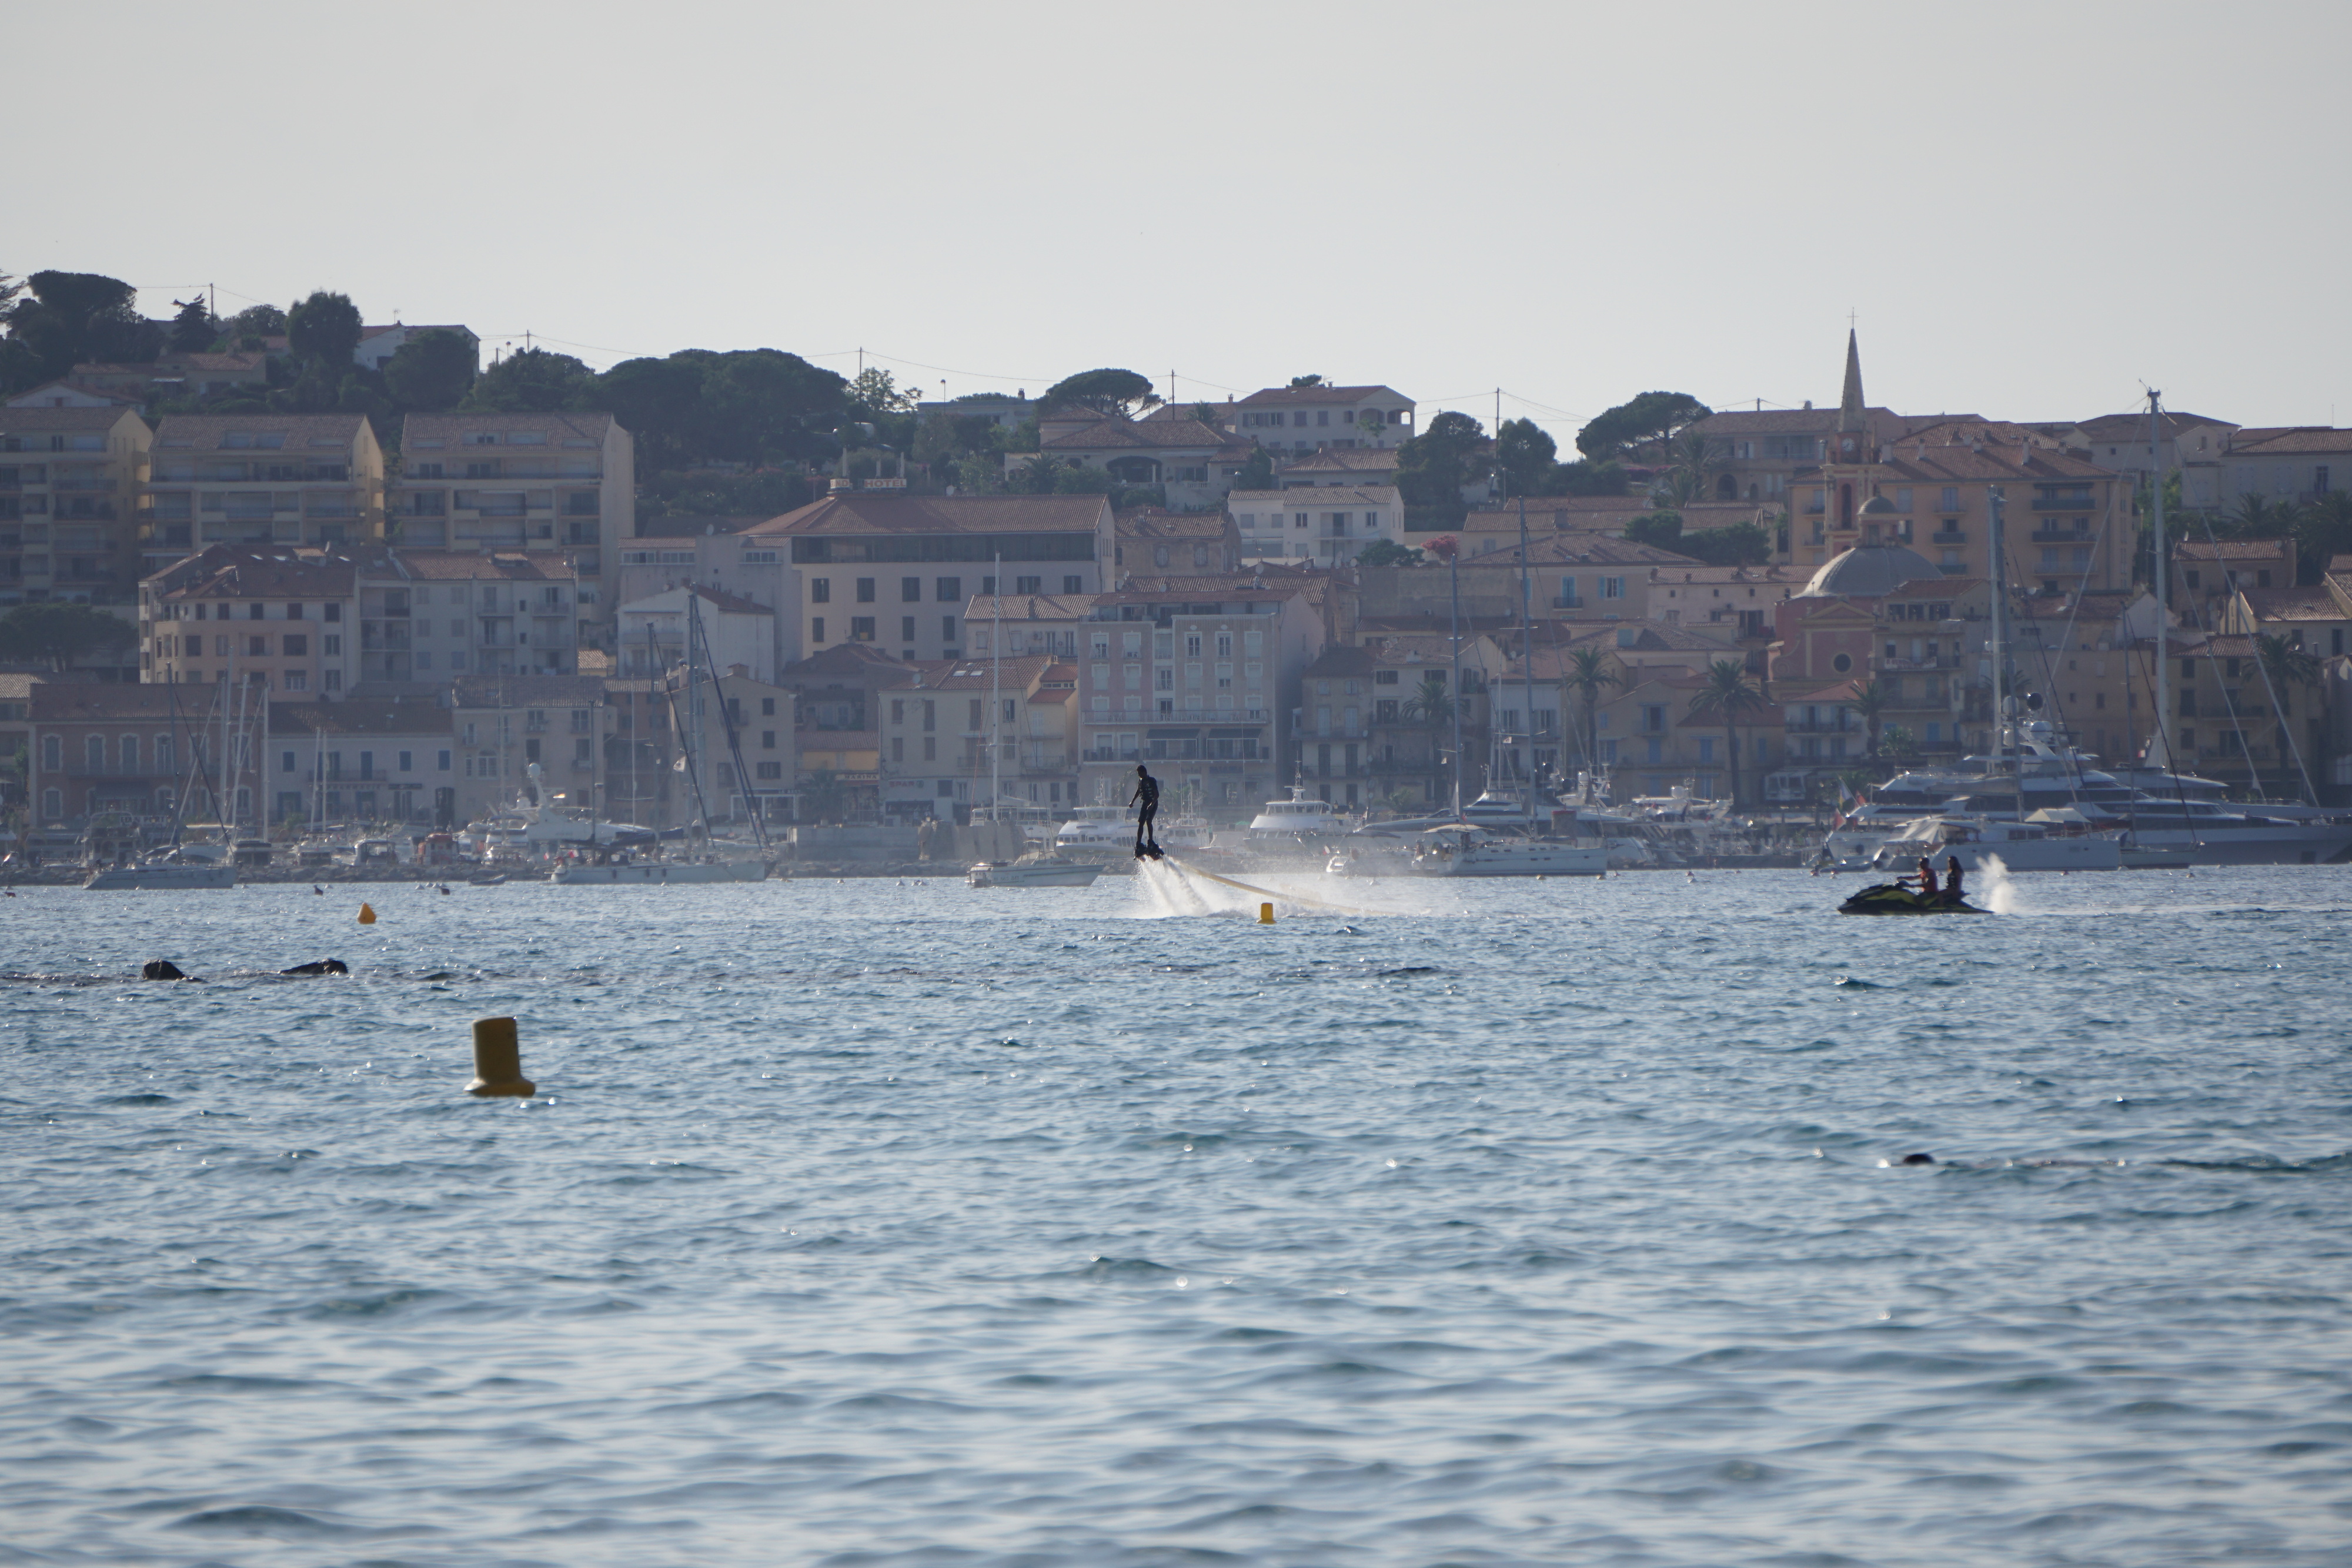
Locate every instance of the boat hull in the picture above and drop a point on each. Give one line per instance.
(160, 878)
(1886, 898)
(646, 873)
(1018, 875)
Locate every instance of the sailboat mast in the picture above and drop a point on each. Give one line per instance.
(1454, 576)
(1997, 499)
(996, 683)
(2163, 574)
(1527, 659)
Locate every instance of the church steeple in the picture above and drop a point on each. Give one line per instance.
(1850, 419)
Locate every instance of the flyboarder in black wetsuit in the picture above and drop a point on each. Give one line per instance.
(1147, 796)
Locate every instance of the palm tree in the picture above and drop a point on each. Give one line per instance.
(1588, 674)
(1728, 693)
(1870, 700)
(1432, 708)
(1693, 464)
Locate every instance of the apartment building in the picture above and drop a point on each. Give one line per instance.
(70, 484)
(2297, 462)
(1194, 463)
(561, 486)
(426, 616)
(893, 572)
(954, 731)
(836, 727)
(94, 747)
(1308, 419)
(1329, 526)
(272, 479)
(369, 759)
(653, 634)
(501, 725)
(278, 619)
(1203, 674)
(1151, 539)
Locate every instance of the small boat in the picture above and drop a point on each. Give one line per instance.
(487, 878)
(166, 873)
(1893, 898)
(1034, 870)
(1459, 850)
(640, 873)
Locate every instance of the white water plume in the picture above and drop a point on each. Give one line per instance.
(1996, 887)
(1166, 888)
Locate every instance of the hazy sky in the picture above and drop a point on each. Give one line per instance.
(2034, 210)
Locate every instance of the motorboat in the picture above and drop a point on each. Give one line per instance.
(2050, 840)
(1112, 828)
(1034, 870)
(1301, 813)
(1464, 850)
(625, 871)
(1893, 898)
(167, 871)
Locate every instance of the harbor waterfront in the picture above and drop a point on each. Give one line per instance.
(1441, 1221)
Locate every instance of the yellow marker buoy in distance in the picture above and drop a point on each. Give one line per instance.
(498, 1061)
(1266, 915)
(367, 913)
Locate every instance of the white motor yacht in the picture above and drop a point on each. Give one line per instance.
(1034, 870)
(1461, 850)
(169, 871)
(2054, 841)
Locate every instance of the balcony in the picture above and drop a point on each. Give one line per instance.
(1563, 601)
(1948, 537)
(1840, 726)
(2064, 503)
(2077, 535)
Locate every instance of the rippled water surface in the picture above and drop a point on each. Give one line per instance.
(882, 1224)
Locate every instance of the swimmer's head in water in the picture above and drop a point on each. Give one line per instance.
(1918, 1159)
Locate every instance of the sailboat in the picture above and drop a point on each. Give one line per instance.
(612, 865)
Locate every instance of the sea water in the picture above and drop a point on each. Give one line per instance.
(1526, 1222)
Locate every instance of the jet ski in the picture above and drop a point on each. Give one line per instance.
(1893, 898)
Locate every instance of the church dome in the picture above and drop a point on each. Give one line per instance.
(1879, 507)
(1869, 571)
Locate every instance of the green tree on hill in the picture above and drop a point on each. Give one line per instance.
(1653, 416)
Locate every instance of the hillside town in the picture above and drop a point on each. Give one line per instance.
(291, 571)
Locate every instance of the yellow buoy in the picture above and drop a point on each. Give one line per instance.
(498, 1061)
(367, 913)
(1266, 915)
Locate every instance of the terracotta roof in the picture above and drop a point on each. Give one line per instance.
(230, 572)
(1316, 496)
(57, 421)
(203, 432)
(1342, 659)
(2123, 429)
(1342, 460)
(430, 426)
(461, 566)
(968, 675)
(2274, 551)
(1782, 421)
(717, 598)
(118, 399)
(984, 608)
(245, 362)
(64, 701)
(1307, 396)
(360, 715)
(843, 659)
(1928, 463)
(1159, 525)
(1579, 549)
(2294, 441)
(888, 512)
(1120, 434)
(2293, 604)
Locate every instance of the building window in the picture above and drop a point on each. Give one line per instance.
(861, 627)
(296, 645)
(906, 628)
(949, 590)
(911, 591)
(947, 627)
(1074, 584)
(865, 591)
(820, 592)
(1028, 585)
(816, 628)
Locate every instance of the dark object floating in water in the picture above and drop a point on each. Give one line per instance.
(442, 975)
(160, 969)
(1916, 1160)
(1893, 898)
(317, 889)
(319, 967)
(1409, 969)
